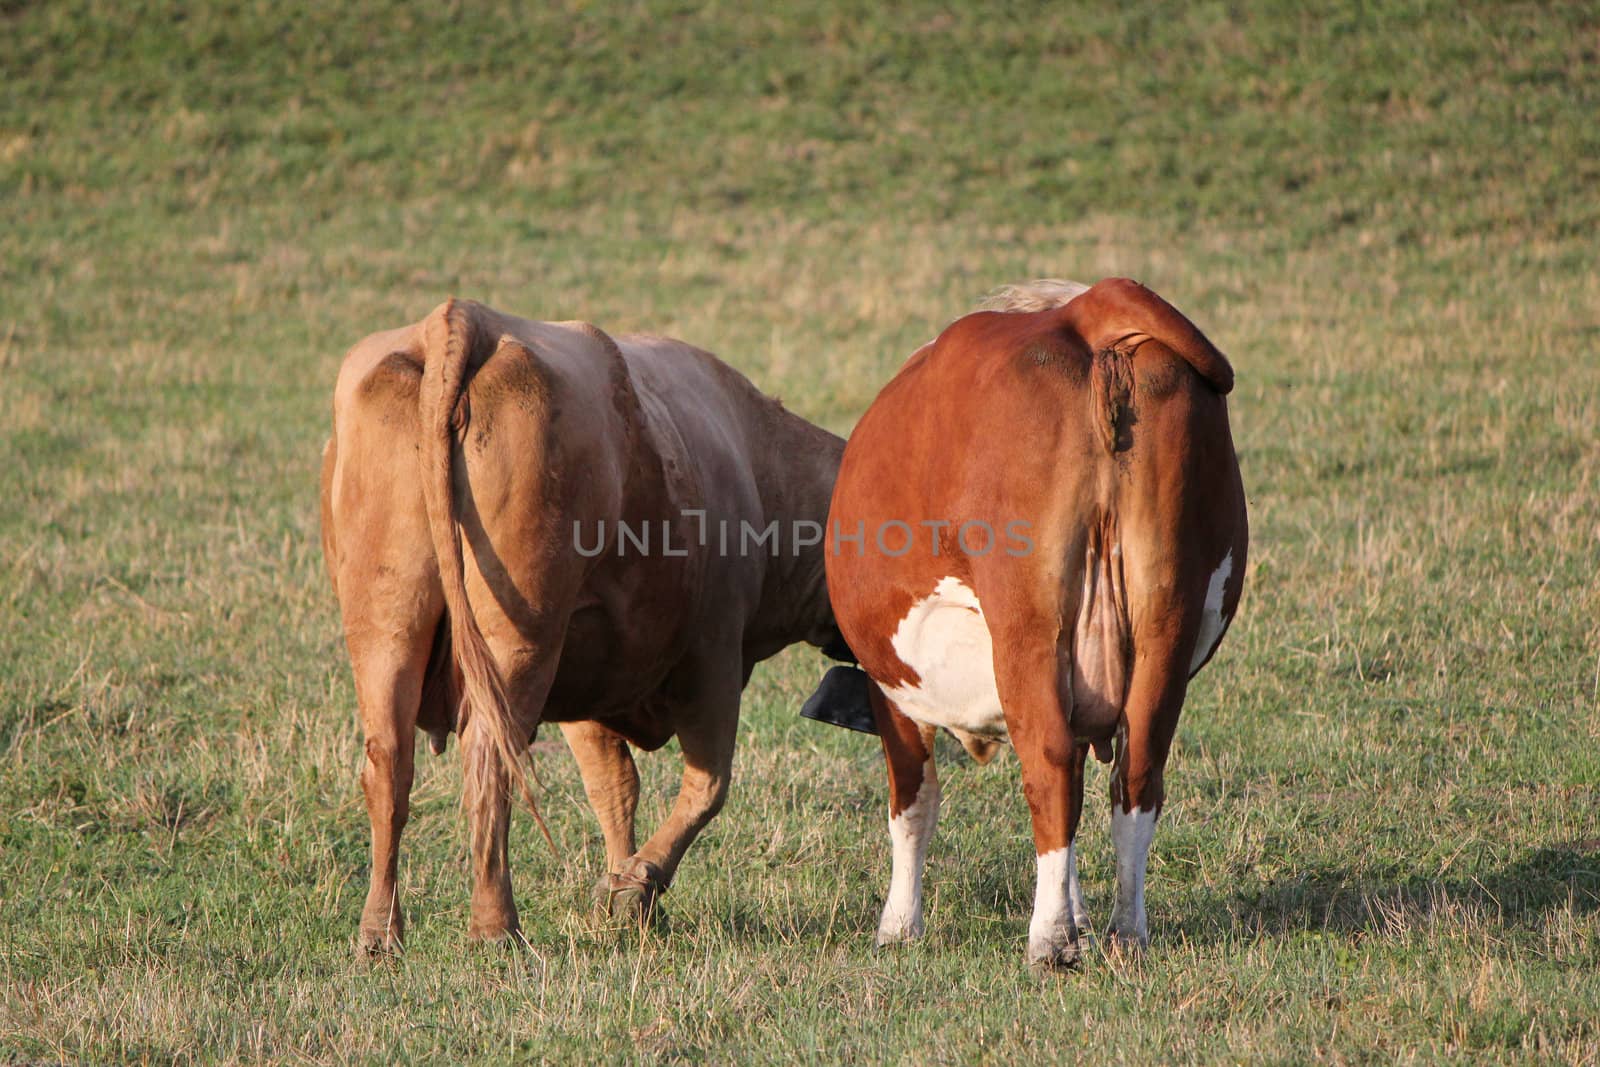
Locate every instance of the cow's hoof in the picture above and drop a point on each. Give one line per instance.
(631, 899)
(640, 906)
(493, 934)
(1055, 960)
(1126, 946)
(890, 938)
(381, 930)
(378, 944)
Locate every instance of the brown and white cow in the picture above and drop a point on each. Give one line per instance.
(530, 522)
(1038, 533)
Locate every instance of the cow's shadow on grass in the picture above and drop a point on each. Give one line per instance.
(1525, 892)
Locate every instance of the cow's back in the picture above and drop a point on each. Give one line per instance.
(739, 471)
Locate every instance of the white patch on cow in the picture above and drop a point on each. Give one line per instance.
(910, 832)
(1051, 928)
(1080, 914)
(1131, 833)
(1211, 618)
(945, 639)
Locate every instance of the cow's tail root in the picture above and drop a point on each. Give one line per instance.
(1121, 313)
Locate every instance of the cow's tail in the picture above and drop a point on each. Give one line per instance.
(451, 339)
(1119, 313)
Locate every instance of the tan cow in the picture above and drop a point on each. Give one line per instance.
(1038, 533)
(533, 522)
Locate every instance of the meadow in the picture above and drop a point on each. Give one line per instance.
(1382, 839)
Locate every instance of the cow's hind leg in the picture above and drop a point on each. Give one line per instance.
(611, 782)
(486, 795)
(1052, 782)
(1080, 913)
(388, 689)
(1053, 787)
(913, 815)
(1155, 697)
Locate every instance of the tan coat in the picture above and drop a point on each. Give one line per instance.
(486, 496)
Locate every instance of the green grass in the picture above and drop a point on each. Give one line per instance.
(1383, 840)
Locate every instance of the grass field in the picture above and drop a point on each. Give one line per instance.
(1383, 835)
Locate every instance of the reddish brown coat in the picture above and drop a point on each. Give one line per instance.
(1097, 433)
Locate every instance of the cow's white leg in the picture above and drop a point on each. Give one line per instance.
(1150, 718)
(913, 814)
(1052, 782)
(910, 831)
(1131, 833)
(1052, 924)
(1080, 914)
